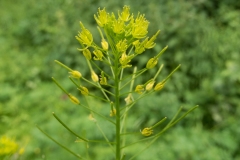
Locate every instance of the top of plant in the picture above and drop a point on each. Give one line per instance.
(122, 31)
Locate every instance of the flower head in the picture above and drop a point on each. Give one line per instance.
(122, 46)
(125, 15)
(7, 146)
(85, 36)
(102, 17)
(125, 59)
(140, 27)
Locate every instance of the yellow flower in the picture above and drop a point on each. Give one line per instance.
(140, 27)
(21, 151)
(124, 60)
(75, 74)
(102, 17)
(85, 36)
(118, 26)
(103, 79)
(98, 55)
(139, 89)
(147, 132)
(139, 47)
(122, 46)
(152, 62)
(125, 15)
(150, 44)
(73, 99)
(7, 146)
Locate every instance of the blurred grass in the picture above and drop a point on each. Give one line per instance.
(202, 35)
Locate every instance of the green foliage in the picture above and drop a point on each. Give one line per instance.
(202, 35)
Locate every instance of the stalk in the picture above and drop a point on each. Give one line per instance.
(117, 106)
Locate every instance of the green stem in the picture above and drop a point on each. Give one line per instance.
(117, 106)
(64, 125)
(79, 157)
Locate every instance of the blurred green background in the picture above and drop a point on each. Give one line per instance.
(202, 35)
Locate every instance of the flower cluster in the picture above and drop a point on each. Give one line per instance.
(123, 38)
(8, 146)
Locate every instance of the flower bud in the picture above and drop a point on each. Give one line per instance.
(113, 112)
(139, 89)
(83, 90)
(75, 74)
(73, 99)
(103, 79)
(149, 86)
(98, 55)
(91, 118)
(159, 86)
(104, 44)
(87, 54)
(129, 99)
(152, 62)
(94, 76)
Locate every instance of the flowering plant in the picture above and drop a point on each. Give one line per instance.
(123, 38)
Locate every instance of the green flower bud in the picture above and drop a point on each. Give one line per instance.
(87, 54)
(75, 74)
(104, 44)
(73, 99)
(159, 86)
(83, 90)
(152, 62)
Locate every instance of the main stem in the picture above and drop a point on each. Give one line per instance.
(117, 106)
